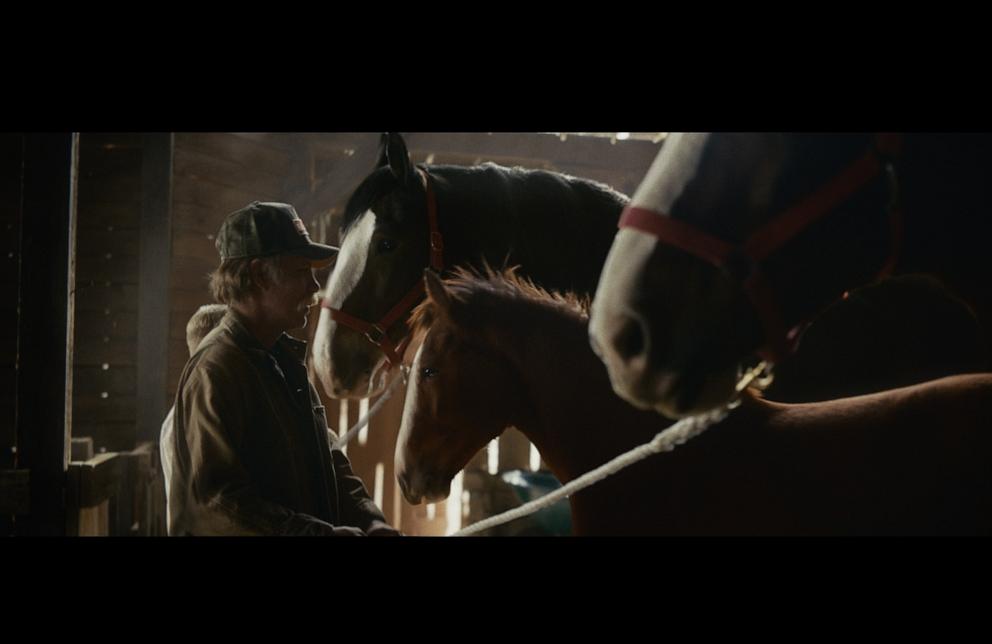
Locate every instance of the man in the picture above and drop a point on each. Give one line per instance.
(252, 455)
(206, 318)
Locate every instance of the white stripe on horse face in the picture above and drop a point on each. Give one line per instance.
(352, 259)
(675, 166)
(409, 409)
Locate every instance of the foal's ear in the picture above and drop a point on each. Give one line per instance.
(437, 292)
(393, 153)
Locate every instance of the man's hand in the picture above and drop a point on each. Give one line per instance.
(380, 529)
(347, 531)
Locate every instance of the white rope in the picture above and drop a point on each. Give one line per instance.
(664, 441)
(364, 420)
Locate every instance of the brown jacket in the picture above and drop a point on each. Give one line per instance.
(250, 448)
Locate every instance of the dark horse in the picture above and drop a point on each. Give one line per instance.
(500, 352)
(403, 218)
(732, 241)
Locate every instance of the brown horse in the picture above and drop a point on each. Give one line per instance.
(500, 352)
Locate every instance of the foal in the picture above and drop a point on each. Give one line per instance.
(500, 352)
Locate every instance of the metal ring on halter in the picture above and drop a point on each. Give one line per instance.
(437, 241)
(380, 335)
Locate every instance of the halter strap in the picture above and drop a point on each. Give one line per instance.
(775, 234)
(377, 333)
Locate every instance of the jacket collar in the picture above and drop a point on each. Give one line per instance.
(234, 324)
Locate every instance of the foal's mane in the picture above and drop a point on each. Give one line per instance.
(491, 288)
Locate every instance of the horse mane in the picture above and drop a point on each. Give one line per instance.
(489, 287)
(381, 181)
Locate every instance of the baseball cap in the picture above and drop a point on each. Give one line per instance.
(261, 229)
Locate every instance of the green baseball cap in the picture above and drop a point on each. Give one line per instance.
(262, 229)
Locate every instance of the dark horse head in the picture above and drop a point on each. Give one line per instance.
(384, 237)
(731, 241)
(404, 218)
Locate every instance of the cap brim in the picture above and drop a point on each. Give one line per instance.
(320, 255)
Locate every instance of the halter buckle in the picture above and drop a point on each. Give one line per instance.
(437, 242)
(376, 335)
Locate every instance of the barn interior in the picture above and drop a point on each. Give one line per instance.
(107, 242)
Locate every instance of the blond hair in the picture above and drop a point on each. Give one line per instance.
(203, 322)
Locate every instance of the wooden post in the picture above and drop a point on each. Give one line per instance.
(45, 325)
(153, 285)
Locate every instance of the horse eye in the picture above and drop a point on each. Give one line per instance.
(428, 372)
(385, 246)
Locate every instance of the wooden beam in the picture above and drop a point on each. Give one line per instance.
(99, 478)
(45, 324)
(153, 280)
(338, 187)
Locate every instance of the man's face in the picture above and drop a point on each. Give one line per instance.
(287, 301)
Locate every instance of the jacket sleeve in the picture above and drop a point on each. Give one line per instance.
(221, 499)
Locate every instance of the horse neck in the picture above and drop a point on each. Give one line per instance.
(574, 418)
(559, 231)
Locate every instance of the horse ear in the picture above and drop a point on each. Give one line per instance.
(383, 144)
(437, 292)
(393, 152)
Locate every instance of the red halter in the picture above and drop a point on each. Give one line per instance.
(775, 234)
(378, 332)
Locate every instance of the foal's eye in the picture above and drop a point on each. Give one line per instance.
(428, 372)
(385, 246)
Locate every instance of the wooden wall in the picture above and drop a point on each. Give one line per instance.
(109, 210)
(11, 152)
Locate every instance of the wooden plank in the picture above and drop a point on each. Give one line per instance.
(263, 152)
(109, 322)
(45, 328)
(99, 164)
(190, 277)
(99, 297)
(284, 141)
(111, 188)
(115, 380)
(96, 409)
(98, 241)
(104, 215)
(115, 268)
(191, 297)
(110, 140)
(82, 449)
(514, 451)
(99, 478)
(221, 199)
(333, 191)
(108, 436)
(153, 305)
(11, 162)
(195, 218)
(193, 244)
(106, 349)
(192, 164)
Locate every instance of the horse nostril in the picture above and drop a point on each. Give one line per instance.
(629, 340)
